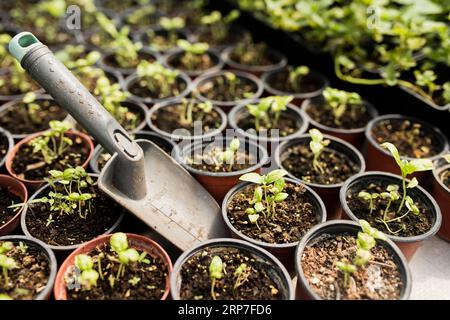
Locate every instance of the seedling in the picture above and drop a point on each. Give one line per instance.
(88, 277)
(229, 155)
(5, 58)
(6, 263)
(296, 75)
(241, 274)
(268, 110)
(369, 197)
(187, 116)
(193, 53)
(172, 24)
(340, 102)
(126, 255)
(219, 26)
(157, 78)
(215, 273)
(317, 145)
(31, 110)
(141, 14)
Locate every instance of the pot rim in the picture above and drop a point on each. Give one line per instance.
(240, 74)
(157, 106)
(310, 236)
(284, 145)
(322, 212)
(10, 139)
(436, 131)
(66, 248)
(438, 169)
(24, 199)
(53, 264)
(224, 243)
(194, 73)
(437, 212)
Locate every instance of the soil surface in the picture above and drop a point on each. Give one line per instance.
(446, 178)
(253, 55)
(293, 217)
(71, 229)
(411, 225)
(9, 90)
(280, 81)
(379, 279)
(286, 125)
(6, 199)
(196, 283)
(231, 38)
(141, 281)
(208, 162)
(18, 119)
(31, 166)
(411, 138)
(4, 145)
(112, 61)
(219, 89)
(169, 119)
(161, 40)
(337, 167)
(140, 89)
(199, 62)
(31, 275)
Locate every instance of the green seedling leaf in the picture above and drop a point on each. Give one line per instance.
(252, 177)
(215, 268)
(119, 242)
(365, 241)
(275, 175)
(84, 262)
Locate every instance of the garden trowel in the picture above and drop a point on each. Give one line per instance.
(139, 176)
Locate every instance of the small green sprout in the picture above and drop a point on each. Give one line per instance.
(218, 24)
(339, 101)
(193, 53)
(317, 145)
(391, 195)
(229, 155)
(89, 276)
(215, 273)
(369, 198)
(268, 110)
(171, 24)
(187, 116)
(6, 247)
(427, 79)
(241, 274)
(119, 244)
(157, 78)
(295, 76)
(7, 264)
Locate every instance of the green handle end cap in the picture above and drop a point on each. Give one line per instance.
(21, 44)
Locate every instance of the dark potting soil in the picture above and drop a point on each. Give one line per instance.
(31, 166)
(253, 55)
(7, 198)
(446, 178)
(196, 283)
(356, 116)
(219, 89)
(4, 145)
(292, 219)
(71, 229)
(379, 279)
(232, 37)
(411, 225)
(141, 281)
(337, 167)
(199, 62)
(286, 125)
(9, 90)
(140, 89)
(208, 162)
(18, 119)
(280, 81)
(168, 119)
(112, 61)
(410, 138)
(29, 277)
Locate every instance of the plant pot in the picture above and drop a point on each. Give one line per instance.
(137, 242)
(53, 267)
(14, 104)
(87, 143)
(219, 183)
(18, 189)
(329, 193)
(184, 135)
(408, 245)
(8, 142)
(379, 159)
(151, 20)
(18, 96)
(285, 252)
(171, 58)
(63, 250)
(227, 105)
(255, 69)
(276, 270)
(320, 84)
(238, 35)
(355, 136)
(305, 292)
(142, 36)
(166, 144)
(441, 194)
(133, 78)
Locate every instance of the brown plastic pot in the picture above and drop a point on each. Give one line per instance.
(176, 54)
(408, 245)
(304, 291)
(255, 70)
(18, 189)
(379, 159)
(10, 139)
(285, 252)
(441, 194)
(53, 266)
(87, 142)
(138, 242)
(276, 270)
(219, 183)
(355, 136)
(328, 193)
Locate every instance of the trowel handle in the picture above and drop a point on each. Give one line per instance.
(70, 94)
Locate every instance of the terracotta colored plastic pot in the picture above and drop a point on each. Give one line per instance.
(176, 54)
(184, 135)
(144, 54)
(441, 194)
(328, 193)
(304, 291)
(143, 37)
(219, 183)
(256, 70)
(138, 242)
(314, 76)
(61, 251)
(408, 245)
(159, 140)
(87, 143)
(276, 270)
(284, 252)
(18, 189)
(133, 78)
(355, 136)
(53, 266)
(379, 159)
(227, 105)
(8, 137)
